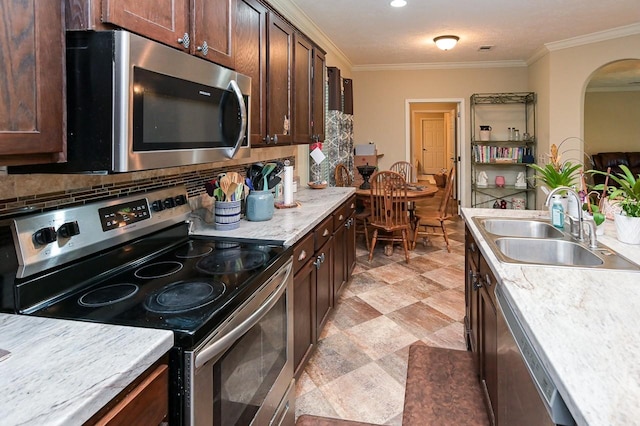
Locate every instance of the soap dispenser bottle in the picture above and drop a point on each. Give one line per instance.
(557, 212)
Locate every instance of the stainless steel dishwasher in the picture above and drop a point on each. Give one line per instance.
(526, 393)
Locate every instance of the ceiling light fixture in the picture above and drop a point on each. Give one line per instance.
(446, 42)
(398, 3)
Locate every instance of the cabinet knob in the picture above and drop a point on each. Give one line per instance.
(185, 41)
(326, 232)
(303, 255)
(204, 49)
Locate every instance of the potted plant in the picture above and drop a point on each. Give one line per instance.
(627, 196)
(556, 173)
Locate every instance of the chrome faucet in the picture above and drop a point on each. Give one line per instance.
(593, 240)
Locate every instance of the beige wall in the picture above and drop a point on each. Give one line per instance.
(612, 121)
(560, 79)
(380, 104)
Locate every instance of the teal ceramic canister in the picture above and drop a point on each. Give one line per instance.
(259, 206)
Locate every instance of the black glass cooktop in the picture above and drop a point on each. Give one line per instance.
(188, 288)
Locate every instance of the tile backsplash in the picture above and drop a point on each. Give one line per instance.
(30, 193)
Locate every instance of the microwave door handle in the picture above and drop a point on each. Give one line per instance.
(228, 339)
(233, 85)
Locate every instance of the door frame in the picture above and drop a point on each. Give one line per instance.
(461, 156)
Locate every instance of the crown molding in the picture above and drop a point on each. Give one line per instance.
(594, 37)
(440, 65)
(301, 20)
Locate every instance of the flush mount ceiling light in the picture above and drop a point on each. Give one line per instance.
(398, 3)
(446, 42)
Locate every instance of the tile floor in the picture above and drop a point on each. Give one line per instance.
(358, 370)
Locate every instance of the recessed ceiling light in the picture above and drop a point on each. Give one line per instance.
(398, 3)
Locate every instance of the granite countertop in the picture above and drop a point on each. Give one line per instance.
(62, 372)
(287, 225)
(583, 324)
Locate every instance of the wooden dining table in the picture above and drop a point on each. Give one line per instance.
(414, 192)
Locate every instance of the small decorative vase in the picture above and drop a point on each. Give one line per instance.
(259, 206)
(628, 229)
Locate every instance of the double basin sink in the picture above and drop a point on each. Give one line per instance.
(537, 242)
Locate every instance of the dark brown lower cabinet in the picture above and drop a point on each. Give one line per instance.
(481, 321)
(323, 262)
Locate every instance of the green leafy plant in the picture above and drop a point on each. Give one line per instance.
(627, 193)
(598, 216)
(554, 176)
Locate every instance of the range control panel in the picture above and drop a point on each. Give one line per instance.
(53, 238)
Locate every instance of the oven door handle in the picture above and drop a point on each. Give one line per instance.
(228, 339)
(233, 85)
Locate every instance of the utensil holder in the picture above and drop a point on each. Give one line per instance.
(227, 214)
(259, 206)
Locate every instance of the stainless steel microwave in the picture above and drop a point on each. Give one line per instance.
(135, 104)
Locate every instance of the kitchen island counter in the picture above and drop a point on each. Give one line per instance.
(287, 226)
(62, 372)
(581, 321)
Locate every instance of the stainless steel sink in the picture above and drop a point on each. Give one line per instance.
(520, 228)
(537, 242)
(547, 252)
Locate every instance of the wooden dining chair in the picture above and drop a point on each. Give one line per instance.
(433, 221)
(405, 168)
(389, 210)
(342, 175)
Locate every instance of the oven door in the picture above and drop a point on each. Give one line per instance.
(244, 373)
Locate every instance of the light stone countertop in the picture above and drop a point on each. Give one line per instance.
(287, 225)
(583, 323)
(62, 372)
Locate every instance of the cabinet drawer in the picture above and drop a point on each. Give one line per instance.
(339, 217)
(147, 403)
(323, 232)
(351, 206)
(302, 252)
(489, 281)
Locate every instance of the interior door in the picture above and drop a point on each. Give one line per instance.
(434, 147)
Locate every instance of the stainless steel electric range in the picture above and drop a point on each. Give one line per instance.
(131, 261)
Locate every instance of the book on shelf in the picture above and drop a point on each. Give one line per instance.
(498, 154)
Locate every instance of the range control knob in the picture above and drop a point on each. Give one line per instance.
(69, 229)
(169, 203)
(181, 200)
(45, 236)
(157, 206)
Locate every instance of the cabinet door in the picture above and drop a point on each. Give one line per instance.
(32, 111)
(303, 59)
(324, 283)
(340, 258)
(280, 48)
(488, 336)
(304, 315)
(351, 246)
(318, 98)
(212, 26)
(163, 20)
(471, 294)
(251, 60)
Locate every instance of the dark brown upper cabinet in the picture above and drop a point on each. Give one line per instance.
(201, 27)
(279, 81)
(318, 98)
(303, 58)
(251, 60)
(32, 111)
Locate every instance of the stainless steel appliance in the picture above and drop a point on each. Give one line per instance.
(135, 104)
(526, 392)
(131, 261)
